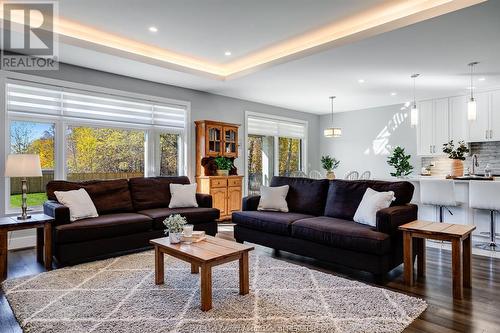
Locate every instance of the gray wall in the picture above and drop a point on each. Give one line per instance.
(203, 106)
(368, 137)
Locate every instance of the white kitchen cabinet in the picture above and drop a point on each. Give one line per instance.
(495, 116)
(458, 118)
(433, 126)
(479, 129)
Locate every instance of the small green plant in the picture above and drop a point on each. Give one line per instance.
(401, 162)
(329, 163)
(456, 153)
(223, 163)
(174, 223)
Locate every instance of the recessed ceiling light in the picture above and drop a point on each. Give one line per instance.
(481, 79)
(227, 53)
(153, 29)
(361, 81)
(393, 93)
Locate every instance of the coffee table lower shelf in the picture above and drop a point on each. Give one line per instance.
(203, 256)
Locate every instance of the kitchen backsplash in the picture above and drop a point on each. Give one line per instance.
(487, 152)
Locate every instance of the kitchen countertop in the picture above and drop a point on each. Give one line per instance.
(418, 178)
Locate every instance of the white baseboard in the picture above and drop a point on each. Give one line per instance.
(16, 243)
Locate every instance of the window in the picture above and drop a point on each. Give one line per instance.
(289, 156)
(169, 154)
(28, 137)
(260, 162)
(85, 134)
(104, 153)
(274, 147)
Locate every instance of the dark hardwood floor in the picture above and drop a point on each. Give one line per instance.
(479, 311)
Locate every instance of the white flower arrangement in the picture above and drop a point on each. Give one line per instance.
(174, 223)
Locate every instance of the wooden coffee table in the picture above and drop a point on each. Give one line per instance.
(205, 254)
(461, 250)
(43, 224)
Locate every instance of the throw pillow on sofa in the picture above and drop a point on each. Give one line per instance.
(79, 203)
(273, 198)
(183, 196)
(371, 203)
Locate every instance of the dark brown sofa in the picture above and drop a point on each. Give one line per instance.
(320, 223)
(131, 212)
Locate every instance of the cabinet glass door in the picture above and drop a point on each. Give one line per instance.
(230, 142)
(214, 140)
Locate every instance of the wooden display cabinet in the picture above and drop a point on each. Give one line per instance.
(214, 139)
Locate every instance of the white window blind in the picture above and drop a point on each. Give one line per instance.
(275, 127)
(72, 104)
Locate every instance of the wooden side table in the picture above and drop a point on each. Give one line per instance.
(461, 250)
(43, 224)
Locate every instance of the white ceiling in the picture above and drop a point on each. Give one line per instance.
(438, 48)
(208, 28)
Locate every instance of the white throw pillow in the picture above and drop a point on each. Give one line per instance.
(273, 198)
(79, 203)
(371, 203)
(183, 196)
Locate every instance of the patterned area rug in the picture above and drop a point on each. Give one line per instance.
(119, 295)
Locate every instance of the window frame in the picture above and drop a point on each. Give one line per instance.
(303, 145)
(152, 132)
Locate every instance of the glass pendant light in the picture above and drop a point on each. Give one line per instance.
(471, 103)
(332, 132)
(414, 109)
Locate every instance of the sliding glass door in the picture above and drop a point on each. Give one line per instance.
(260, 162)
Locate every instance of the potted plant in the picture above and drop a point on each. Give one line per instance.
(457, 155)
(401, 162)
(174, 224)
(329, 164)
(224, 164)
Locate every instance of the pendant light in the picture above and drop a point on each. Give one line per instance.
(332, 132)
(414, 109)
(471, 103)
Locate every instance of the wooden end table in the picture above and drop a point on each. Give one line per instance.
(43, 224)
(205, 254)
(461, 250)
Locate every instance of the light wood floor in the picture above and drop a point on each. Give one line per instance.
(479, 311)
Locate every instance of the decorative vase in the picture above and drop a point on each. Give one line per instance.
(222, 172)
(175, 237)
(330, 175)
(457, 168)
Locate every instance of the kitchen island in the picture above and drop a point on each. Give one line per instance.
(462, 214)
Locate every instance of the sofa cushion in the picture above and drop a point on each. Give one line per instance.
(108, 196)
(342, 234)
(104, 226)
(344, 196)
(306, 196)
(193, 215)
(153, 192)
(273, 222)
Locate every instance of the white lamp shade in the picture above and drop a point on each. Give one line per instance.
(332, 132)
(23, 165)
(471, 109)
(414, 116)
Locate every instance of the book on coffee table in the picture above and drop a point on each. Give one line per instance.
(196, 236)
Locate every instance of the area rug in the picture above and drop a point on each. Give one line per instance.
(119, 295)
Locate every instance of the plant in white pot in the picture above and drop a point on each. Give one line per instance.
(329, 164)
(174, 224)
(457, 155)
(224, 164)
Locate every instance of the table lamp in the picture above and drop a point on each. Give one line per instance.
(23, 166)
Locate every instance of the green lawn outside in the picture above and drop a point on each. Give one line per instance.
(34, 199)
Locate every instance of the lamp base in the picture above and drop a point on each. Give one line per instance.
(23, 218)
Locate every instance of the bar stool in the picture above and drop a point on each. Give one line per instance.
(486, 195)
(439, 193)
